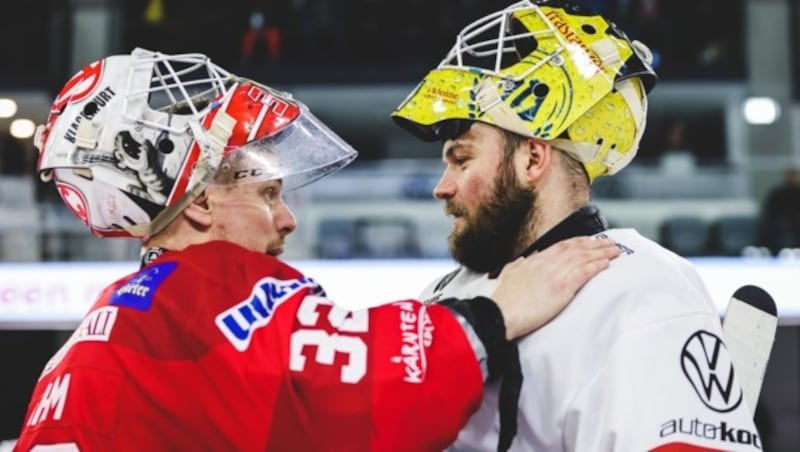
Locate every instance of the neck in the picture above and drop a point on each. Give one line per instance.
(178, 235)
(558, 197)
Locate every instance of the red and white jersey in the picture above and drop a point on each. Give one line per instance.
(637, 362)
(220, 348)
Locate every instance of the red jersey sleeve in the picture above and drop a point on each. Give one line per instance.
(398, 377)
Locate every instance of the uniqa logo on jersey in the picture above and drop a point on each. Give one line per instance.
(239, 322)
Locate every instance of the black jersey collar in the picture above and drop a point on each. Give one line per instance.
(585, 221)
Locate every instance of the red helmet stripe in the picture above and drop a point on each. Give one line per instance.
(254, 131)
(185, 174)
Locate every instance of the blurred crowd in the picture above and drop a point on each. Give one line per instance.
(690, 38)
(331, 35)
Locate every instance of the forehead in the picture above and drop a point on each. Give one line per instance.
(479, 138)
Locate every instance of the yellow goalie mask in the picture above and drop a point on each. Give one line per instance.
(547, 69)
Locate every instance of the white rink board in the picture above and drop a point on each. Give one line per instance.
(56, 295)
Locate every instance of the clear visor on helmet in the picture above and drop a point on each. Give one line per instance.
(300, 153)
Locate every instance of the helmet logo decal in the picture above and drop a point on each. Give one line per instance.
(475, 112)
(535, 88)
(449, 96)
(566, 31)
(254, 172)
(260, 112)
(272, 103)
(148, 181)
(89, 111)
(75, 200)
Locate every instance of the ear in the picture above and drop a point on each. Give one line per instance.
(199, 212)
(538, 158)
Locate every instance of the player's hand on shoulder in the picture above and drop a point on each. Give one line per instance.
(533, 290)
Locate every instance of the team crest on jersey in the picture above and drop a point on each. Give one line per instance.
(138, 292)
(239, 322)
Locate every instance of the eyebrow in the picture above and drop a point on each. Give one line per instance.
(272, 183)
(450, 150)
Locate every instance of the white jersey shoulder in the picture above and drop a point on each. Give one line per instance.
(635, 362)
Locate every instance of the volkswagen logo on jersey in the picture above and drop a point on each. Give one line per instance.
(709, 369)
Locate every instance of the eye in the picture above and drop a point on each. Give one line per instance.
(272, 193)
(460, 161)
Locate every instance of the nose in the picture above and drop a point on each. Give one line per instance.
(285, 222)
(445, 188)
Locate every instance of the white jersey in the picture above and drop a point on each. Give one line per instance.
(635, 363)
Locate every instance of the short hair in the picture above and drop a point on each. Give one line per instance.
(511, 141)
(574, 168)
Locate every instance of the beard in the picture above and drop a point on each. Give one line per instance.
(491, 238)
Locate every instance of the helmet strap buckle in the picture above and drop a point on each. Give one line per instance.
(86, 135)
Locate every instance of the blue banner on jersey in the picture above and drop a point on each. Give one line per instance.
(239, 322)
(138, 292)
